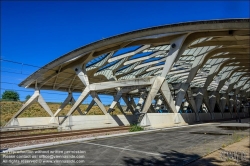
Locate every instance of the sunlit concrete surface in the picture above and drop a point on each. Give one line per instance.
(177, 146)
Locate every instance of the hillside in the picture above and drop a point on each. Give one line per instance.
(9, 108)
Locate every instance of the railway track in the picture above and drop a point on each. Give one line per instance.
(31, 137)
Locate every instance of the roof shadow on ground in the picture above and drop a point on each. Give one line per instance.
(166, 158)
(174, 158)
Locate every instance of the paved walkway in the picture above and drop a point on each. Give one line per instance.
(177, 146)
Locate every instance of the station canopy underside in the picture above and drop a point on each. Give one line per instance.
(212, 54)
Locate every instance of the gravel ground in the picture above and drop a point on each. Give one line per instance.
(237, 154)
(34, 142)
(19, 133)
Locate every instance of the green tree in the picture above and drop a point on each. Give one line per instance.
(27, 97)
(10, 95)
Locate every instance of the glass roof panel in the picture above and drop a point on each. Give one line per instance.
(96, 60)
(126, 50)
(142, 54)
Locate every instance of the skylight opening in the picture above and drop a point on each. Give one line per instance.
(96, 60)
(125, 50)
(151, 60)
(108, 65)
(142, 54)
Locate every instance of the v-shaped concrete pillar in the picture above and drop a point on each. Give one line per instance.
(36, 97)
(119, 95)
(71, 99)
(152, 93)
(166, 94)
(222, 103)
(98, 102)
(212, 101)
(192, 104)
(128, 103)
(82, 97)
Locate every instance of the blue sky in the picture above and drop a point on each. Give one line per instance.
(36, 33)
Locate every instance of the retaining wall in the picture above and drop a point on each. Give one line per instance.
(32, 121)
(155, 120)
(97, 121)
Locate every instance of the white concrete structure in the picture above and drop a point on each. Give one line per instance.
(201, 68)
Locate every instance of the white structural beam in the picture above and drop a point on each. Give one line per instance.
(144, 58)
(212, 101)
(198, 93)
(82, 74)
(223, 102)
(91, 104)
(166, 94)
(225, 76)
(235, 80)
(152, 93)
(97, 100)
(173, 53)
(128, 54)
(199, 62)
(128, 103)
(69, 99)
(82, 97)
(122, 83)
(36, 97)
(119, 95)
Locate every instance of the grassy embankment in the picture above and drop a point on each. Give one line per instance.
(9, 108)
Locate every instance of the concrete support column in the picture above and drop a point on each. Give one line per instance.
(199, 98)
(81, 73)
(91, 104)
(181, 95)
(212, 101)
(152, 93)
(97, 100)
(80, 70)
(115, 101)
(120, 108)
(168, 99)
(174, 52)
(64, 104)
(206, 100)
(192, 104)
(222, 103)
(119, 95)
(128, 103)
(36, 97)
(82, 97)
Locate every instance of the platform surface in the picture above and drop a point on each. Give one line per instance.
(176, 146)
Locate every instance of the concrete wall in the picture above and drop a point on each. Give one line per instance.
(242, 115)
(205, 116)
(97, 121)
(217, 116)
(188, 117)
(31, 121)
(155, 120)
(227, 115)
(158, 120)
